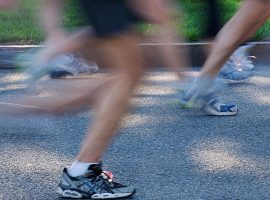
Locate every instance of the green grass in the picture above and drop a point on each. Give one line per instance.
(194, 19)
(21, 26)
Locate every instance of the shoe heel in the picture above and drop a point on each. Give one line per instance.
(69, 193)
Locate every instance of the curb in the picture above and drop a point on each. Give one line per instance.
(195, 51)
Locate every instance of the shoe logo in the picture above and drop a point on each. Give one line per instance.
(90, 187)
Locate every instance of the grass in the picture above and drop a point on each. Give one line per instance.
(21, 26)
(194, 19)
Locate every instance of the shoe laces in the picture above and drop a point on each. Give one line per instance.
(103, 180)
(98, 175)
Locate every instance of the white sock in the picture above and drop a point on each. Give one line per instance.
(78, 168)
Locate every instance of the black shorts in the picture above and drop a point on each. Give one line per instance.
(108, 17)
(213, 22)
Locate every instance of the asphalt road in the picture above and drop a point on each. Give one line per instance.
(167, 153)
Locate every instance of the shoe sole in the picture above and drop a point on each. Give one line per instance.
(212, 112)
(207, 110)
(72, 194)
(235, 81)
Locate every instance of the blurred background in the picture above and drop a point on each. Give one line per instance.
(21, 26)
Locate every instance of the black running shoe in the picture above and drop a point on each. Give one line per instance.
(94, 184)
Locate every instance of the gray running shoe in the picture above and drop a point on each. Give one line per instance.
(242, 60)
(215, 107)
(94, 184)
(207, 101)
(70, 65)
(60, 66)
(231, 74)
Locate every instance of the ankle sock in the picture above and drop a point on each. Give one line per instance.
(78, 168)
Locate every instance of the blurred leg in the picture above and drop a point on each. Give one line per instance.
(58, 42)
(233, 34)
(162, 14)
(125, 59)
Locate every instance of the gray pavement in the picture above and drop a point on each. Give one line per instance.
(167, 153)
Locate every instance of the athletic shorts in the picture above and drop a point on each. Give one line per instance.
(213, 22)
(108, 17)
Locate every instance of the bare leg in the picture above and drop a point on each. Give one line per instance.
(58, 42)
(262, 20)
(125, 57)
(51, 19)
(67, 44)
(160, 13)
(70, 94)
(171, 55)
(233, 34)
(64, 95)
